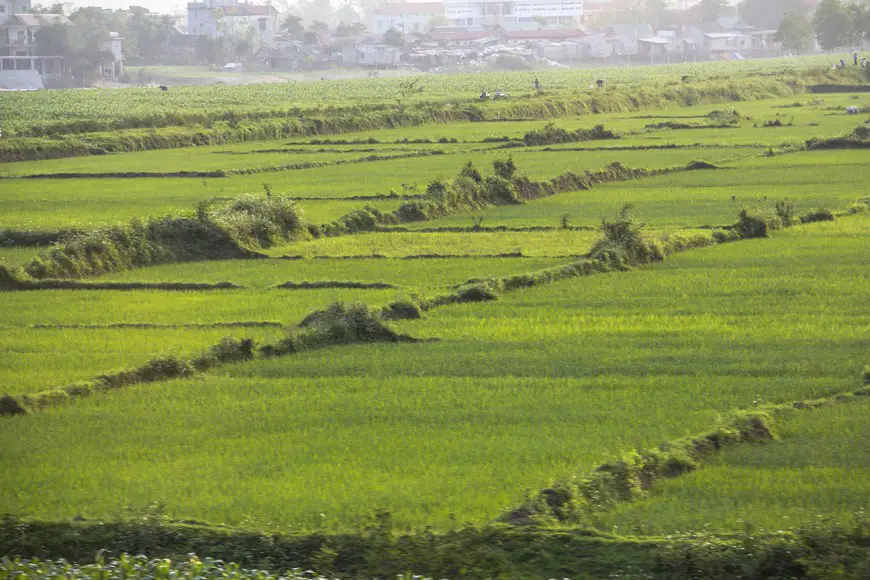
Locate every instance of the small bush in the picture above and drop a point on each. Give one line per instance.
(725, 236)
(504, 169)
(337, 324)
(404, 309)
(159, 369)
(785, 210)
(753, 224)
(480, 292)
(550, 134)
(819, 215)
(10, 406)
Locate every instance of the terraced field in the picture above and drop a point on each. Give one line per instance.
(522, 350)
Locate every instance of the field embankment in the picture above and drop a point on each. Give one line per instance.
(168, 130)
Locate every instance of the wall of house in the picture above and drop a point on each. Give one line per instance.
(405, 22)
(512, 14)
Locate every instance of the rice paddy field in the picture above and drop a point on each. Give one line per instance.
(481, 402)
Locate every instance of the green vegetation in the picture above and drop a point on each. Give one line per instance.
(407, 334)
(622, 352)
(817, 468)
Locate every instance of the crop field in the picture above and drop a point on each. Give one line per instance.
(89, 105)
(575, 372)
(698, 198)
(48, 204)
(541, 337)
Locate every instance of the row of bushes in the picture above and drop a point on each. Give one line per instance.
(628, 477)
(158, 369)
(338, 324)
(759, 222)
(550, 134)
(819, 551)
(247, 223)
(233, 230)
(470, 190)
(622, 246)
(277, 124)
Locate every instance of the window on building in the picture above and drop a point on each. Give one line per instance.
(22, 37)
(262, 22)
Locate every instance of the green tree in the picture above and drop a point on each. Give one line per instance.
(292, 25)
(349, 30)
(770, 13)
(148, 35)
(831, 23)
(656, 11)
(54, 40)
(316, 32)
(711, 9)
(795, 32)
(394, 37)
(859, 22)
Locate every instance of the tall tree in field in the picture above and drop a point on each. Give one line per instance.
(293, 26)
(831, 23)
(54, 40)
(859, 22)
(656, 11)
(393, 37)
(795, 33)
(769, 13)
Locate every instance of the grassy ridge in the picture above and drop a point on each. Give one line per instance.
(33, 359)
(55, 204)
(692, 199)
(817, 468)
(576, 372)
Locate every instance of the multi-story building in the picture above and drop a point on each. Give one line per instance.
(18, 32)
(232, 18)
(408, 17)
(10, 7)
(512, 14)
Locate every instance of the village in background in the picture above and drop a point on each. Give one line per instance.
(230, 41)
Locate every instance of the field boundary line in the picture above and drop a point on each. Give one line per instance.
(15, 285)
(224, 173)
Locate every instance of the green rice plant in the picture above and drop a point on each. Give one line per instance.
(515, 394)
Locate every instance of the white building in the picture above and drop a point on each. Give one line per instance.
(513, 14)
(407, 17)
(232, 18)
(18, 32)
(10, 7)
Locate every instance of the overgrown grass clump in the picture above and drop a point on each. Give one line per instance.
(550, 134)
(233, 230)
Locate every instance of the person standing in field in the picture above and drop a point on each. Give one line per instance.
(537, 85)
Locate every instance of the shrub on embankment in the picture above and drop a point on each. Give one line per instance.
(233, 230)
(553, 135)
(379, 551)
(338, 324)
(471, 190)
(155, 370)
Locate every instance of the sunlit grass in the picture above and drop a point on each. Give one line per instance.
(516, 393)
